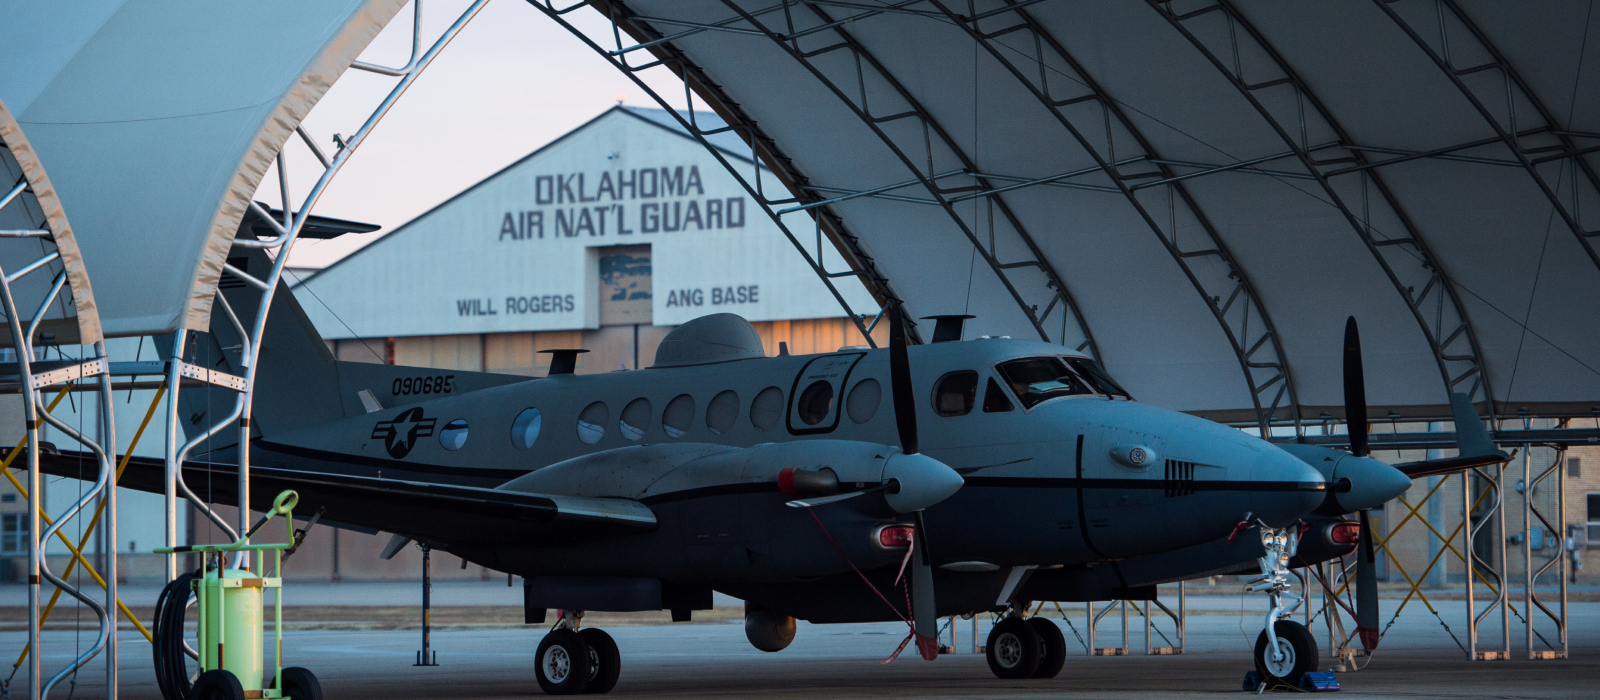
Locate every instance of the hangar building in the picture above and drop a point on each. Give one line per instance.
(604, 239)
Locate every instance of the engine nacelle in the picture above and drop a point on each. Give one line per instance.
(768, 630)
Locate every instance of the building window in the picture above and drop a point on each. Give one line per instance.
(1574, 467)
(1593, 506)
(14, 533)
(8, 498)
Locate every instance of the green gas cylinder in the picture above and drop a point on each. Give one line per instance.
(231, 616)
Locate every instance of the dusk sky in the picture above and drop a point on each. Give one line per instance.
(510, 82)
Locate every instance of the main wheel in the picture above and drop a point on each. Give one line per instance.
(1013, 649)
(217, 685)
(1052, 647)
(1298, 651)
(605, 662)
(562, 663)
(300, 684)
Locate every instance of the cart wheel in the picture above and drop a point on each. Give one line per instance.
(217, 685)
(300, 684)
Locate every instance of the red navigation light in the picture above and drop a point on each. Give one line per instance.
(895, 535)
(1345, 533)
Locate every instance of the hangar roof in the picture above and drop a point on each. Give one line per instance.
(157, 121)
(1198, 193)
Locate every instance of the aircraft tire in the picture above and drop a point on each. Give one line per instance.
(605, 662)
(217, 684)
(561, 664)
(1052, 647)
(1013, 650)
(1301, 648)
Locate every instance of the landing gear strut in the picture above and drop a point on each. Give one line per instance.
(572, 661)
(1285, 650)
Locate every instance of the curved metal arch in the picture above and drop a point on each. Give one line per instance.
(763, 148)
(1437, 277)
(1510, 136)
(789, 45)
(1239, 338)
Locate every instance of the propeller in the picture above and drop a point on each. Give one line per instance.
(1355, 415)
(924, 613)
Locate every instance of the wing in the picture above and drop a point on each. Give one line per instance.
(439, 513)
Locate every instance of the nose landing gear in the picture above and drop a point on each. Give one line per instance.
(570, 661)
(1285, 650)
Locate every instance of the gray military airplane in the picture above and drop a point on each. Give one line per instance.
(909, 483)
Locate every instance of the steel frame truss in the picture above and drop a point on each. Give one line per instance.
(249, 348)
(1407, 261)
(767, 159)
(23, 331)
(1559, 144)
(938, 151)
(1227, 292)
(927, 138)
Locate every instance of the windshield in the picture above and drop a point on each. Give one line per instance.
(1097, 375)
(1039, 379)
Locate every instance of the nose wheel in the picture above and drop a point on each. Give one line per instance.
(1296, 654)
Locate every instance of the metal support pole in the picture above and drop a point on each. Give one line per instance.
(108, 567)
(174, 444)
(427, 657)
(1527, 535)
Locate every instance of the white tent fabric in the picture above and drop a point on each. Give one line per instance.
(1427, 167)
(158, 121)
(73, 318)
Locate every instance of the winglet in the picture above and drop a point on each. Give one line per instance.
(1472, 439)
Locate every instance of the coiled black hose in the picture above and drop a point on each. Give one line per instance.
(172, 669)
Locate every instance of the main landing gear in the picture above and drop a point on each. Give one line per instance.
(1025, 648)
(571, 661)
(1285, 649)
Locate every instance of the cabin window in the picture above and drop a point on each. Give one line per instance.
(994, 400)
(863, 401)
(767, 409)
(525, 429)
(1039, 379)
(592, 422)
(722, 412)
(955, 393)
(815, 402)
(1097, 376)
(678, 416)
(636, 418)
(454, 435)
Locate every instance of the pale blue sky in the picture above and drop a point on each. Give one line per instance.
(511, 81)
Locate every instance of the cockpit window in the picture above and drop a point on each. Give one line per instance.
(994, 400)
(1039, 379)
(1093, 373)
(955, 393)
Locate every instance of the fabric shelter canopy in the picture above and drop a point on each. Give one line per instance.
(1197, 193)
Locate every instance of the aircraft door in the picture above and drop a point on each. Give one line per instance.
(817, 396)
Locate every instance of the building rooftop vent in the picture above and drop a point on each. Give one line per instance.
(709, 340)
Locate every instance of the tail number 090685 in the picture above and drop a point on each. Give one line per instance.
(442, 384)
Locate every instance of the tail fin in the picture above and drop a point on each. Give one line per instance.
(299, 384)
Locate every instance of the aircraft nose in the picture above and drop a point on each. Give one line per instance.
(924, 481)
(1372, 483)
(1288, 487)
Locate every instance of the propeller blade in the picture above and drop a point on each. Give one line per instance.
(924, 613)
(1355, 390)
(905, 401)
(1366, 587)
